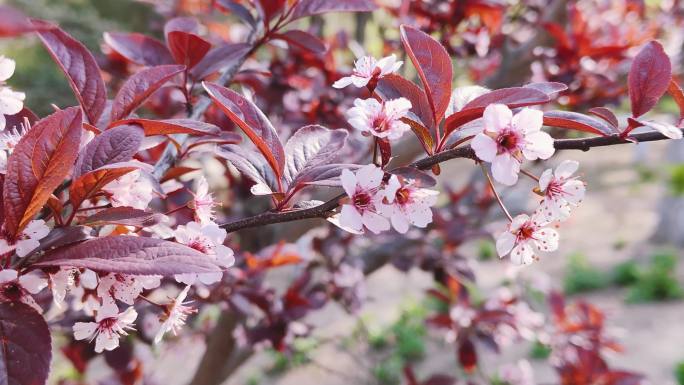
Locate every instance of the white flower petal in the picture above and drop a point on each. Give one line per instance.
(497, 117)
(505, 169)
(485, 147)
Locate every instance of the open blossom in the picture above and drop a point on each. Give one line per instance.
(29, 239)
(363, 189)
(506, 139)
(68, 279)
(130, 190)
(407, 204)
(380, 119)
(18, 288)
(203, 203)
(561, 191)
(109, 325)
(124, 287)
(175, 315)
(8, 141)
(525, 236)
(367, 69)
(11, 102)
(207, 239)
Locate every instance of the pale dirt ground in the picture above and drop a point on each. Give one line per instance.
(617, 209)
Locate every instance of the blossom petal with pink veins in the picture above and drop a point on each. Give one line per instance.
(484, 146)
(566, 169)
(545, 179)
(574, 191)
(554, 210)
(505, 243)
(348, 182)
(375, 222)
(11, 102)
(350, 217)
(390, 191)
(420, 215)
(369, 176)
(397, 108)
(33, 283)
(84, 330)
(7, 67)
(518, 222)
(528, 120)
(547, 239)
(359, 81)
(522, 254)
(26, 246)
(538, 145)
(497, 117)
(399, 222)
(505, 169)
(106, 340)
(388, 64)
(343, 82)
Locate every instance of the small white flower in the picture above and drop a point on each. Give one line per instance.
(203, 203)
(367, 69)
(408, 204)
(28, 240)
(380, 119)
(207, 239)
(8, 141)
(363, 189)
(11, 102)
(525, 236)
(124, 287)
(68, 278)
(130, 190)
(18, 288)
(506, 139)
(175, 316)
(109, 325)
(561, 191)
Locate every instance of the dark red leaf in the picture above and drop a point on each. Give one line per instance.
(309, 147)
(253, 122)
(385, 151)
(577, 121)
(186, 46)
(648, 78)
(25, 345)
(678, 95)
(606, 115)
(139, 87)
(13, 22)
(125, 216)
(222, 138)
(323, 175)
(302, 40)
(394, 86)
(253, 166)
(17, 120)
(306, 8)
(268, 9)
(115, 145)
(433, 65)
(86, 185)
(176, 172)
(549, 88)
(40, 162)
(467, 355)
(171, 126)
(81, 69)
(138, 48)
(220, 57)
(439, 379)
(132, 255)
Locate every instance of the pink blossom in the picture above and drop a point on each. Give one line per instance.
(506, 139)
(109, 325)
(407, 204)
(380, 119)
(68, 278)
(525, 236)
(175, 315)
(8, 141)
(124, 287)
(11, 102)
(363, 189)
(209, 240)
(367, 69)
(28, 239)
(18, 288)
(203, 203)
(561, 191)
(130, 190)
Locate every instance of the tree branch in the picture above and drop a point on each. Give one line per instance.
(327, 209)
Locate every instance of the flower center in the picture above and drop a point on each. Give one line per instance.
(402, 196)
(379, 123)
(554, 189)
(108, 323)
(12, 291)
(525, 232)
(362, 200)
(508, 140)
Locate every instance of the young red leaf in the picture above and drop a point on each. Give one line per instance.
(139, 87)
(433, 64)
(513, 97)
(222, 138)
(40, 162)
(171, 126)
(467, 355)
(253, 122)
(678, 95)
(91, 182)
(81, 69)
(385, 151)
(303, 40)
(115, 145)
(220, 57)
(132, 255)
(311, 146)
(25, 345)
(138, 48)
(648, 78)
(577, 121)
(394, 86)
(606, 115)
(305, 8)
(125, 216)
(268, 9)
(186, 46)
(13, 22)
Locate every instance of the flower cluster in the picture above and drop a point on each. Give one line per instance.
(11, 102)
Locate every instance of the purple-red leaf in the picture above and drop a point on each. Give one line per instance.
(139, 87)
(648, 78)
(577, 121)
(678, 95)
(252, 165)
(309, 147)
(433, 65)
(125, 216)
(394, 86)
(253, 122)
(86, 185)
(306, 8)
(221, 139)
(186, 46)
(115, 145)
(302, 39)
(13, 22)
(606, 115)
(81, 69)
(549, 88)
(25, 345)
(323, 175)
(132, 255)
(40, 162)
(218, 58)
(171, 126)
(139, 48)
